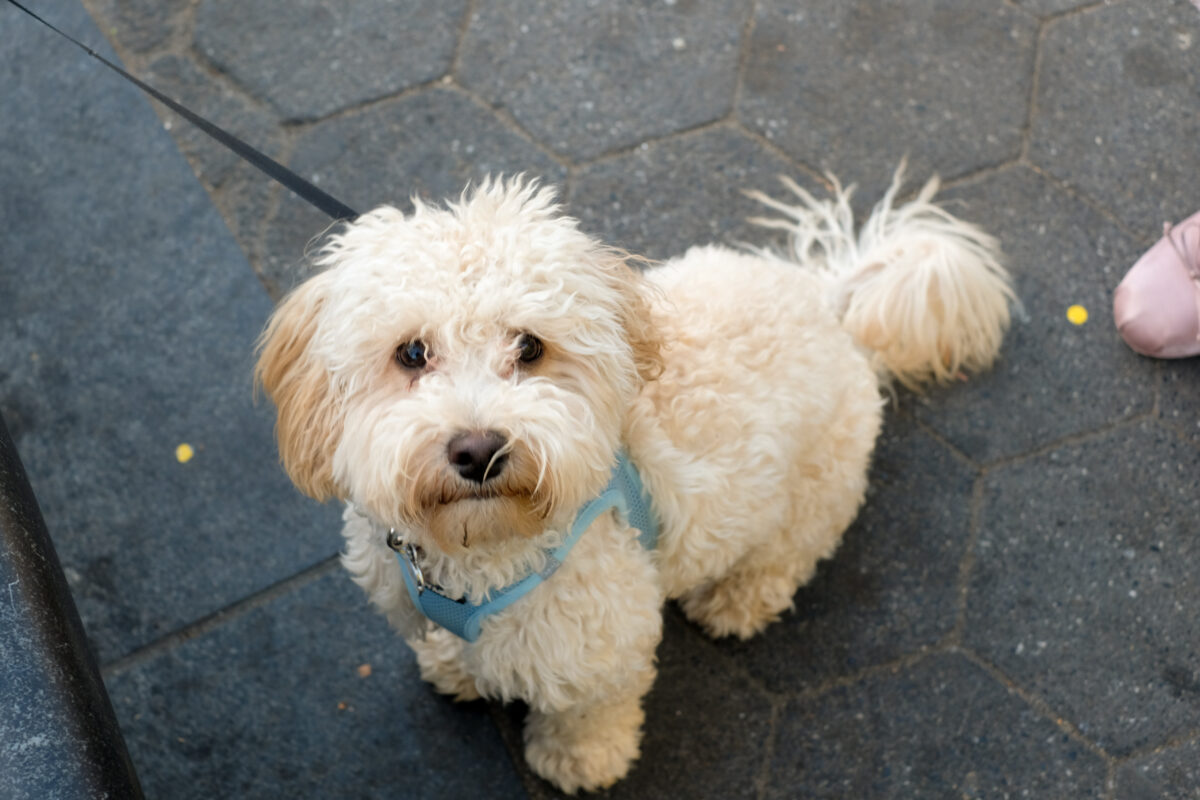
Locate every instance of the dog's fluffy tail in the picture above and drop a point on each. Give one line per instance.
(922, 290)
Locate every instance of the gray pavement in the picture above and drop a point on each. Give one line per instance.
(1013, 615)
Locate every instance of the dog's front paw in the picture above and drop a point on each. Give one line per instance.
(440, 657)
(587, 750)
(588, 766)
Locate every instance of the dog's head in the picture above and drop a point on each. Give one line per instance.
(462, 373)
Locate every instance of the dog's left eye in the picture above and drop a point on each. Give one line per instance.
(412, 354)
(529, 348)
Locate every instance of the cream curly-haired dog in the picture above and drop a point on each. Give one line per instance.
(465, 377)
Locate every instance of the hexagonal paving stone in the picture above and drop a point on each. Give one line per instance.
(1054, 378)
(1116, 98)
(892, 586)
(1084, 588)
(1174, 772)
(667, 196)
(241, 190)
(587, 78)
(430, 145)
(309, 692)
(139, 25)
(309, 58)
(1178, 400)
(180, 78)
(942, 728)
(854, 87)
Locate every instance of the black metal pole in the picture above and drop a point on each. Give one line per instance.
(58, 733)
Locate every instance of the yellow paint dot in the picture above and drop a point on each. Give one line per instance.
(1077, 314)
(184, 453)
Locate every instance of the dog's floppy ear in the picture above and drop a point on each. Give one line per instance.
(309, 422)
(640, 329)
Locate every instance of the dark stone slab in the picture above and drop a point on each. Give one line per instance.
(311, 58)
(892, 586)
(1179, 398)
(706, 730)
(940, 729)
(1116, 105)
(1174, 772)
(668, 196)
(1084, 587)
(1054, 378)
(430, 145)
(854, 87)
(589, 78)
(274, 704)
(129, 320)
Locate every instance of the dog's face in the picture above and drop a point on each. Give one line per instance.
(461, 373)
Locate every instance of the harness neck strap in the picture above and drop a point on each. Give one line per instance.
(624, 492)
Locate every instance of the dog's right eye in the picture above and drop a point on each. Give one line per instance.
(411, 354)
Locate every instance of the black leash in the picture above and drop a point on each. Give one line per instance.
(302, 188)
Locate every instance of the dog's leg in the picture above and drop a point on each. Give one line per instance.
(440, 657)
(750, 596)
(761, 584)
(585, 747)
(826, 486)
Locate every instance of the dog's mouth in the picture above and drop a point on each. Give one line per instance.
(462, 517)
(477, 493)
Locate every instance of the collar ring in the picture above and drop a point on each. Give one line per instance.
(409, 560)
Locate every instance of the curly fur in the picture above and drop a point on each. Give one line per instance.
(745, 390)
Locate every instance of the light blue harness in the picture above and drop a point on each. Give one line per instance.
(463, 618)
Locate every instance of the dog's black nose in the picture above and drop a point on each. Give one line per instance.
(473, 454)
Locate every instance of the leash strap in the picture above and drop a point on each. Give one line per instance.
(272, 168)
(464, 619)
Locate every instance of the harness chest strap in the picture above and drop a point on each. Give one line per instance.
(624, 492)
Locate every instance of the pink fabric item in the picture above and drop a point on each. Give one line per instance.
(1157, 305)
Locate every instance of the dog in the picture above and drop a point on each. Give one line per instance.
(466, 376)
